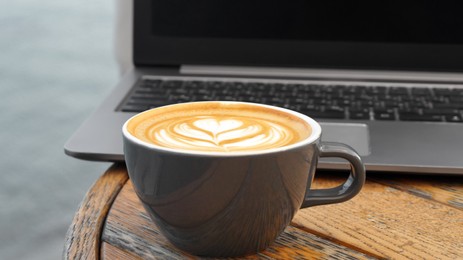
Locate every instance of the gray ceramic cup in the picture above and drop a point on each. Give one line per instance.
(225, 205)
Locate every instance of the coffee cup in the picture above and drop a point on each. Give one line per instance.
(224, 179)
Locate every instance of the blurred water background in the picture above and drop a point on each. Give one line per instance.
(56, 66)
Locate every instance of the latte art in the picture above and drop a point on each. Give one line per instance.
(213, 134)
(217, 129)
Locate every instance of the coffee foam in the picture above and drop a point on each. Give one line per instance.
(218, 127)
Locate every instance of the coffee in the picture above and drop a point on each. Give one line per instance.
(219, 127)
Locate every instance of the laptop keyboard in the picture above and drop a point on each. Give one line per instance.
(315, 100)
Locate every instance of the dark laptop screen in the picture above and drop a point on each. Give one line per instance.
(425, 35)
(398, 22)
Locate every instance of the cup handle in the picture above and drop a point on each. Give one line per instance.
(349, 188)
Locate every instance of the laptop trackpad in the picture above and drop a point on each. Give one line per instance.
(355, 135)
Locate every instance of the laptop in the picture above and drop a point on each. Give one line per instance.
(385, 78)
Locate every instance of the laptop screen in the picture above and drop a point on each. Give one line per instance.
(404, 22)
(392, 35)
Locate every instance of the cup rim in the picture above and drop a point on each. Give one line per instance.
(313, 137)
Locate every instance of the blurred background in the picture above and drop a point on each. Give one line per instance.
(56, 65)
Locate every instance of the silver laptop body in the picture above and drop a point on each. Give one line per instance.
(207, 54)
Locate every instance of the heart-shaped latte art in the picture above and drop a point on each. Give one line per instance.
(209, 133)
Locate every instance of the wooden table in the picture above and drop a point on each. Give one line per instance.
(414, 217)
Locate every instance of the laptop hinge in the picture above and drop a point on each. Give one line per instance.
(333, 74)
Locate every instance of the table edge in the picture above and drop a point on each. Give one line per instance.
(88, 222)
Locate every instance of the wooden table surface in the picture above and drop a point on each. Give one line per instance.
(394, 216)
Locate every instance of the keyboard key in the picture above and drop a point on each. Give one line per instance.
(192, 84)
(398, 91)
(250, 99)
(182, 98)
(227, 98)
(456, 99)
(152, 82)
(385, 110)
(180, 91)
(356, 90)
(376, 90)
(390, 104)
(172, 84)
(448, 112)
(457, 92)
(408, 110)
(454, 118)
(384, 115)
(292, 107)
(344, 103)
(140, 96)
(300, 101)
(359, 113)
(206, 98)
(415, 117)
(438, 100)
(216, 85)
(134, 108)
(151, 91)
(442, 91)
(417, 104)
(146, 102)
(327, 115)
(421, 92)
(276, 101)
(334, 109)
(256, 86)
(448, 106)
(320, 101)
(312, 107)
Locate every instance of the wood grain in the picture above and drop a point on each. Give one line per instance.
(111, 252)
(129, 228)
(447, 190)
(83, 236)
(390, 222)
